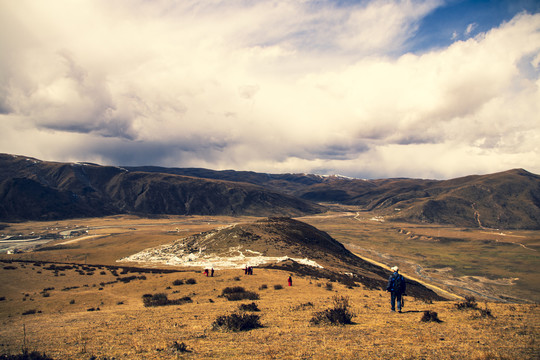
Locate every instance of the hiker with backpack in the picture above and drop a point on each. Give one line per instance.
(396, 287)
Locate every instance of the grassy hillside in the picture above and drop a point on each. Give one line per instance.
(80, 316)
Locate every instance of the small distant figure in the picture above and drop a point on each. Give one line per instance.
(246, 270)
(250, 270)
(206, 272)
(396, 287)
(212, 272)
(289, 280)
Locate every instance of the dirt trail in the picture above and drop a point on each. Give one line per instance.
(82, 238)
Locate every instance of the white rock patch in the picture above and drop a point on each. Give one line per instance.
(236, 259)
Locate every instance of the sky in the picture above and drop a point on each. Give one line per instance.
(368, 89)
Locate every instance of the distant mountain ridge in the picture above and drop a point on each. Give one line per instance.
(32, 189)
(505, 200)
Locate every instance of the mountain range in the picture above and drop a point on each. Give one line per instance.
(31, 189)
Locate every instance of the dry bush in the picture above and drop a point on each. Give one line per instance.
(191, 281)
(178, 282)
(179, 347)
(236, 293)
(302, 306)
(430, 316)
(329, 286)
(278, 287)
(161, 299)
(484, 313)
(237, 322)
(339, 314)
(469, 303)
(248, 307)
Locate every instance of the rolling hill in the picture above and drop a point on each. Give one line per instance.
(278, 243)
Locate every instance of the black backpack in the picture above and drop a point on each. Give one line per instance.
(399, 283)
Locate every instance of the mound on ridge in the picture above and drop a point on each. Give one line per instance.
(281, 243)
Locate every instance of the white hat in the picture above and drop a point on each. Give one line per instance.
(395, 268)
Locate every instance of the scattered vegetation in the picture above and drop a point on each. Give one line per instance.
(191, 281)
(278, 287)
(178, 282)
(237, 322)
(339, 314)
(25, 355)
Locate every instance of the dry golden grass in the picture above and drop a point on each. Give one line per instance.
(123, 328)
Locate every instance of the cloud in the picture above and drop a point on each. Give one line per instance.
(470, 28)
(276, 86)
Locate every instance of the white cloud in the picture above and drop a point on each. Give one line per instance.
(470, 28)
(273, 86)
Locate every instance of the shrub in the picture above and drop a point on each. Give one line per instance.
(155, 299)
(263, 287)
(236, 293)
(484, 313)
(469, 303)
(161, 299)
(237, 322)
(430, 316)
(302, 306)
(179, 347)
(329, 286)
(248, 307)
(340, 314)
(29, 312)
(278, 287)
(191, 281)
(178, 282)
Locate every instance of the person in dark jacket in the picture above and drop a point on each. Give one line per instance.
(396, 287)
